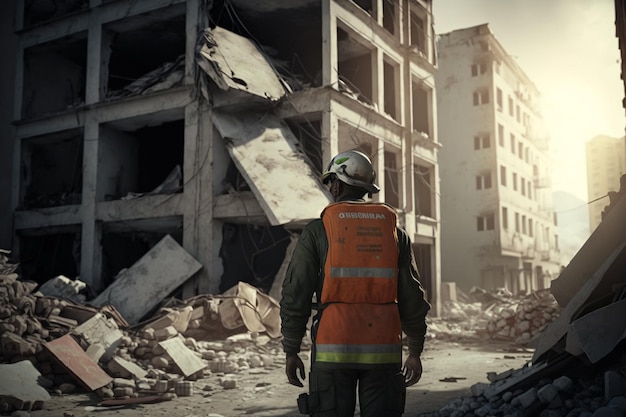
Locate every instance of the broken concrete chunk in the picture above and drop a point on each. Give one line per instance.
(182, 356)
(20, 381)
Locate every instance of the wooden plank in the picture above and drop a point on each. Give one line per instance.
(182, 356)
(152, 278)
(78, 363)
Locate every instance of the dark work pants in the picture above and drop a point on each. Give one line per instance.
(333, 393)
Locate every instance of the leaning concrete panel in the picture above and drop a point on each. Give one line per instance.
(267, 154)
(598, 284)
(234, 62)
(609, 235)
(598, 332)
(152, 278)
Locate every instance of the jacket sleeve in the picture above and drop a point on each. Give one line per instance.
(412, 303)
(301, 281)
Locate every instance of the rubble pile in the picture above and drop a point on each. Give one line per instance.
(74, 346)
(520, 320)
(576, 390)
(498, 315)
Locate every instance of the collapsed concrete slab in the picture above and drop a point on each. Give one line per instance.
(144, 285)
(234, 63)
(597, 285)
(267, 153)
(598, 333)
(608, 236)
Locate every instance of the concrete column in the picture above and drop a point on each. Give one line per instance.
(330, 68)
(378, 79)
(91, 233)
(94, 79)
(198, 198)
(330, 131)
(379, 166)
(192, 25)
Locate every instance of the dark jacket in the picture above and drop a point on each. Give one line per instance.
(305, 277)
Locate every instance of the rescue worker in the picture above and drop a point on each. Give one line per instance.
(360, 267)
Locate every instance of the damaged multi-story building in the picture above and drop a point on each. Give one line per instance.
(210, 121)
(499, 229)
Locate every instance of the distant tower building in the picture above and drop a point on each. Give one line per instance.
(498, 227)
(606, 162)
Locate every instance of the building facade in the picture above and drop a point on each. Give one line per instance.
(606, 163)
(211, 121)
(497, 222)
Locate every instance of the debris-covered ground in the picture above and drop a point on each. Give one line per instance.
(62, 356)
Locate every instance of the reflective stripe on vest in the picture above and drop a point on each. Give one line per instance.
(367, 354)
(363, 272)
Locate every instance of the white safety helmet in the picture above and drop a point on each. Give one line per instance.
(353, 168)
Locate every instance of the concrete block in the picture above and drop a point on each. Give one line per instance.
(165, 333)
(448, 291)
(563, 383)
(608, 412)
(547, 393)
(619, 402)
(614, 385)
(528, 398)
(478, 389)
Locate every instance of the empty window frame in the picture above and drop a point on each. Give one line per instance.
(418, 31)
(391, 87)
(481, 97)
(483, 181)
(530, 227)
(524, 224)
(520, 150)
(392, 179)
(485, 222)
(354, 61)
(517, 228)
(479, 68)
(51, 169)
(142, 44)
(514, 180)
(421, 108)
(148, 159)
(499, 99)
(482, 141)
(54, 76)
(511, 107)
(523, 186)
(503, 175)
(422, 182)
(513, 142)
(500, 135)
(390, 16)
(505, 217)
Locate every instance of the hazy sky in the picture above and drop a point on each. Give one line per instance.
(568, 48)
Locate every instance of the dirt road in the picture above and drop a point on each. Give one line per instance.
(450, 369)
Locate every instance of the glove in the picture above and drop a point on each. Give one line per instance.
(293, 364)
(412, 370)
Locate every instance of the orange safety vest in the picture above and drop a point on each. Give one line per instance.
(360, 323)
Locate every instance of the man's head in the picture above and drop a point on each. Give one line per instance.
(350, 173)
